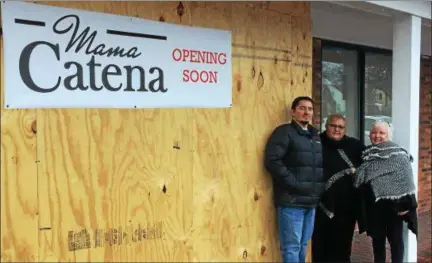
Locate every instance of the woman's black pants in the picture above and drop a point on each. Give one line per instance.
(394, 236)
(332, 238)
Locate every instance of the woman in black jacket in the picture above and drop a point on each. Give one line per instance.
(337, 213)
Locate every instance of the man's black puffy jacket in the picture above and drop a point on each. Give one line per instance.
(293, 157)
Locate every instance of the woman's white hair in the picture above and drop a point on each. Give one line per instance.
(386, 125)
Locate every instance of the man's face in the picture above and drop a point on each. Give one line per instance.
(378, 134)
(303, 112)
(336, 129)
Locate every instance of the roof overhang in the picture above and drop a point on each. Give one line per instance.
(417, 8)
(392, 8)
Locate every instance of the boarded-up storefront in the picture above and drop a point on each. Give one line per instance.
(159, 184)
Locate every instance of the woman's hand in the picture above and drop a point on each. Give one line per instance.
(351, 171)
(403, 213)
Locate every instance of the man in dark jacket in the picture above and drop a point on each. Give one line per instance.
(293, 158)
(338, 210)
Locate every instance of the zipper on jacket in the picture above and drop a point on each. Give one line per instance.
(313, 163)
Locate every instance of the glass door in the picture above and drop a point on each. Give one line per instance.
(378, 91)
(340, 87)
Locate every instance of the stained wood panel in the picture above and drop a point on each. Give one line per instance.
(190, 180)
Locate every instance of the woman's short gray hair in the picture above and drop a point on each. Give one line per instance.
(386, 125)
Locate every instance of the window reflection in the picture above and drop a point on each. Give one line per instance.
(378, 91)
(339, 91)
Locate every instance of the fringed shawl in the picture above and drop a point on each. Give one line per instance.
(387, 167)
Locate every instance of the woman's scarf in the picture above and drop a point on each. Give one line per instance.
(387, 167)
(327, 207)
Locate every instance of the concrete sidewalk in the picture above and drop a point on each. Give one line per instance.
(362, 244)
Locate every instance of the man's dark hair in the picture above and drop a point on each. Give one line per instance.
(297, 100)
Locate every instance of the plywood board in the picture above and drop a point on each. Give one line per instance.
(19, 206)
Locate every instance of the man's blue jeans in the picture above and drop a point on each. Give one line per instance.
(295, 230)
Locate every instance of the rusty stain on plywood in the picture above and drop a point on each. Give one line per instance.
(199, 171)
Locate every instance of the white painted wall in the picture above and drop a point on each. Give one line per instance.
(418, 8)
(339, 23)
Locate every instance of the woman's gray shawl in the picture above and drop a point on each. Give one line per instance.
(387, 167)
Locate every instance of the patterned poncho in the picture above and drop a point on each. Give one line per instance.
(387, 167)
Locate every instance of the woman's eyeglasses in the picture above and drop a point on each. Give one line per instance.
(334, 126)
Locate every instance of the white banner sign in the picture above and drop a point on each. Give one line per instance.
(65, 58)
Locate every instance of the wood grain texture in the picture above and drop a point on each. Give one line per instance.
(19, 207)
(193, 177)
(126, 175)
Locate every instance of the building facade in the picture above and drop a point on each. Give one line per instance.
(376, 103)
(372, 61)
(353, 72)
